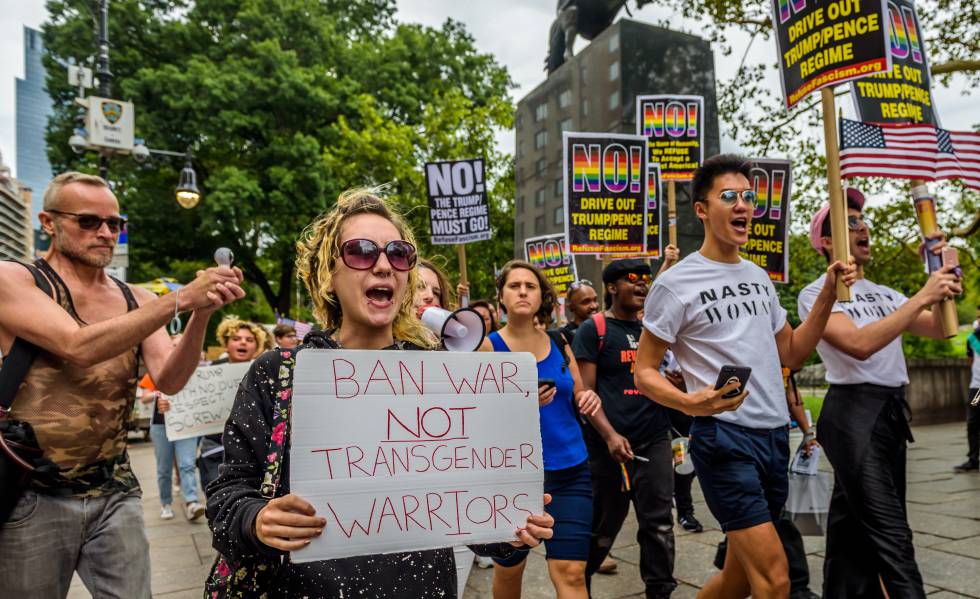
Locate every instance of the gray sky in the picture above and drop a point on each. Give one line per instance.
(515, 31)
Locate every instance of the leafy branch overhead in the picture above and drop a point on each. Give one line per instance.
(286, 103)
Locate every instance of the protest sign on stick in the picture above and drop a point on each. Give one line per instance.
(768, 244)
(674, 128)
(902, 94)
(203, 405)
(822, 44)
(605, 193)
(547, 252)
(409, 450)
(838, 209)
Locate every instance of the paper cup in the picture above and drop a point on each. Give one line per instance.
(682, 461)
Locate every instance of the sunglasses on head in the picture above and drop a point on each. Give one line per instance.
(362, 254)
(730, 196)
(91, 222)
(634, 278)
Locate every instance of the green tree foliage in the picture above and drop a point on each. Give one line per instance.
(285, 103)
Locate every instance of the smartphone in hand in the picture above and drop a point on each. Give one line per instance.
(547, 383)
(731, 373)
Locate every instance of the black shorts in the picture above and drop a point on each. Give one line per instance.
(742, 471)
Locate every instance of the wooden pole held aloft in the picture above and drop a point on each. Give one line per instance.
(838, 208)
(463, 279)
(925, 214)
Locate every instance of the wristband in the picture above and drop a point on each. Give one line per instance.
(809, 435)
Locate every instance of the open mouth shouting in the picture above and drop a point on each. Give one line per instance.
(863, 242)
(381, 296)
(741, 225)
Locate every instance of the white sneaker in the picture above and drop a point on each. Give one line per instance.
(194, 510)
(484, 562)
(166, 513)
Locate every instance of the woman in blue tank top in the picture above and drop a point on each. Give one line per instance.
(526, 295)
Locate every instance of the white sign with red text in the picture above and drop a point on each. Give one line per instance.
(413, 450)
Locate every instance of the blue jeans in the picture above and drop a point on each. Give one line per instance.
(186, 450)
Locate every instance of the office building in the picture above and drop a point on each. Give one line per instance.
(33, 108)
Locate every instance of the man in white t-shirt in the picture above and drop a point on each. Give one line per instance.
(863, 424)
(715, 309)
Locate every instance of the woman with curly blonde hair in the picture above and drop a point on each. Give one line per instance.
(358, 263)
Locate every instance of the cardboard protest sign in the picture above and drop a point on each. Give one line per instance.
(903, 94)
(410, 450)
(674, 126)
(458, 207)
(768, 244)
(605, 193)
(203, 405)
(822, 44)
(654, 212)
(547, 252)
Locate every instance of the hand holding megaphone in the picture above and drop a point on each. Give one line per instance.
(462, 330)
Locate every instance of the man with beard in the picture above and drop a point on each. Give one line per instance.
(605, 347)
(863, 424)
(78, 393)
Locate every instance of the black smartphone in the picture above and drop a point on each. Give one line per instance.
(729, 373)
(548, 383)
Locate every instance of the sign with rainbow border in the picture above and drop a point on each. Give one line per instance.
(768, 244)
(547, 252)
(674, 128)
(605, 178)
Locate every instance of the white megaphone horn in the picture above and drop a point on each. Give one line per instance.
(462, 330)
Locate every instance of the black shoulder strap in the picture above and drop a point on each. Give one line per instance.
(131, 303)
(561, 342)
(22, 353)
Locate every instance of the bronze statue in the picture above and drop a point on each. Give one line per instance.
(587, 18)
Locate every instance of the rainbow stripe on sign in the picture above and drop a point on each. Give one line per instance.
(653, 119)
(616, 173)
(585, 167)
(903, 35)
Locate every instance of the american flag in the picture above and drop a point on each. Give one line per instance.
(302, 328)
(909, 152)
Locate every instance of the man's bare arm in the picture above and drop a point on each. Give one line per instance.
(26, 312)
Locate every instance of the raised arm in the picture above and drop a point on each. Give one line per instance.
(795, 346)
(28, 313)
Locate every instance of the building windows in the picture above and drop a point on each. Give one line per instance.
(539, 224)
(541, 112)
(565, 99)
(559, 187)
(540, 165)
(539, 197)
(614, 71)
(540, 139)
(585, 107)
(559, 215)
(614, 42)
(614, 100)
(565, 125)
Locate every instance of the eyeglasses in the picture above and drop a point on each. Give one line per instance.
(635, 278)
(730, 196)
(362, 254)
(91, 222)
(854, 223)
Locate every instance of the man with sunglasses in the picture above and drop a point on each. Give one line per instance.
(581, 302)
(715, 309)
(605, 348)
(863, 424)
(88, 335)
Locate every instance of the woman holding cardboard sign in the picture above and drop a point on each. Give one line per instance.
(528, 298)
(358, 263)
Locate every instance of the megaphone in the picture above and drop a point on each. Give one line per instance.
(462, 330)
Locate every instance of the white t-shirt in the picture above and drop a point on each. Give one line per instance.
(715, 314)
(869, 303)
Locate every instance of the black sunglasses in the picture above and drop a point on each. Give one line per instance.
(91, 222)
(730, 196)
(635, 277)
(362, 254)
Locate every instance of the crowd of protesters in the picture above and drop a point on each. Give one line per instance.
(622, 381)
